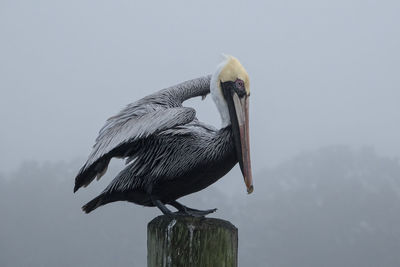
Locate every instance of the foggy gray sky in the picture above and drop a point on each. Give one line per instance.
(322, 72)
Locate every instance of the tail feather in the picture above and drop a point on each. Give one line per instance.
(93, 204)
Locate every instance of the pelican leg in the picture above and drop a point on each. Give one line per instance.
(162, 207)
(182, 209)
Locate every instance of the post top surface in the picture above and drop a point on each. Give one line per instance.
(198, 222)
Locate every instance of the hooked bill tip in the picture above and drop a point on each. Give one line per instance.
(250, 189)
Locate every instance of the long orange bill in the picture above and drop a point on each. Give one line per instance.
(242, 114)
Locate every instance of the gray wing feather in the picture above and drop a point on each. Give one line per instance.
(157, 112)
(119, 140)
(139, 127)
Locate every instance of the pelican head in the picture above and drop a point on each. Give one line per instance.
(230, 89)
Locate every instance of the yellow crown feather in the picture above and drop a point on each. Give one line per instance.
(233, 70)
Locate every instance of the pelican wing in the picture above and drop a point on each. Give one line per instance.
(148, 116)
(118, 138)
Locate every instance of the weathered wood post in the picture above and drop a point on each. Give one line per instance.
(191, 241)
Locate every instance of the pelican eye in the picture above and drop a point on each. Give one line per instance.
(239, 83)
(239, 88)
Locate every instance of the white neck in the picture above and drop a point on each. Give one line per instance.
(218, 97)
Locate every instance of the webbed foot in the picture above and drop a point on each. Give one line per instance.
(186, 211)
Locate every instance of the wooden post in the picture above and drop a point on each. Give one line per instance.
(190, 241)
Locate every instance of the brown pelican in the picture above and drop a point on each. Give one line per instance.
(169, 152)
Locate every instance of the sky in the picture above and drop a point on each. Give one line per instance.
(322, 72)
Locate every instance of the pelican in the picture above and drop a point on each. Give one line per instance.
(169, 152)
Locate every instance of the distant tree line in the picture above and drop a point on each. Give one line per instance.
(335, 206)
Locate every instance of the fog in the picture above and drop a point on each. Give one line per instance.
(323, 74)
(334, 206)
